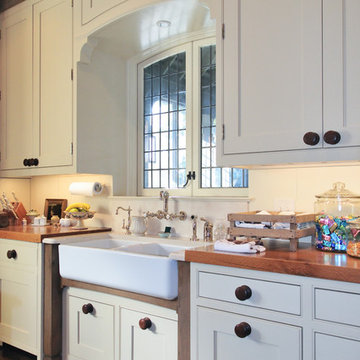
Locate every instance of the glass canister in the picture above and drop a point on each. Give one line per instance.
(353, 248)
(333, 210)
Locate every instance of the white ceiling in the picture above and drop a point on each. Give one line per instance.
(138, 32)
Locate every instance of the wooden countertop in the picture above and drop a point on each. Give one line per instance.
(38, 233)
(306, 261)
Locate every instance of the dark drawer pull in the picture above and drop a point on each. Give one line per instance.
(243, 292)
(87, 308)
(11, 254)
(332, 137)
(145, 323)
(311, 138)
(242, 330)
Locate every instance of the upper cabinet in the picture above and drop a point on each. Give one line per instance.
(289, 84)
(36, 86)
(53, 62)
(16, 88)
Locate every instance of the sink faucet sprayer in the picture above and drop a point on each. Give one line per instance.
(194, 228)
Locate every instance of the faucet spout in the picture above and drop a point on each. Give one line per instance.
(128, 210)
(164, 195)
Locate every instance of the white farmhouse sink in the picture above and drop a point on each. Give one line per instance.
(133, 264)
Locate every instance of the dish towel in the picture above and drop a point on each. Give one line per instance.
(248, 247)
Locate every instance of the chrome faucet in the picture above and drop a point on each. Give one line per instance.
(164, 195)
(194, 228)
(208, 230)
(164, 214)
(127, 227)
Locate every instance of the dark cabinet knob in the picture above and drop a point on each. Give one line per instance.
(87, 308)
(145, 323)
(332, 137)
(242, 330)
(243, 292)
(311, 138)
(33, 162)
(11, 254)
(26, 162)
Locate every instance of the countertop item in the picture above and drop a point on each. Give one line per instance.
(38, 233)
(306, 261)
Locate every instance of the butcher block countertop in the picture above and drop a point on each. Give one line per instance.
(306, 261)
(37, 233)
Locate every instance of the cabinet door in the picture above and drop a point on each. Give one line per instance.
(52, 82)
(329, 347)
(18, 308)
(93, 8)
(269, 340)
(16, 89)
(90, 336)
(341, 70)
(158, 342)
(271, 75)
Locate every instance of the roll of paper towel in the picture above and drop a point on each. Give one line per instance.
(85, 188)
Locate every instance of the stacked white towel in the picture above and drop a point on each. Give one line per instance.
(248, 247)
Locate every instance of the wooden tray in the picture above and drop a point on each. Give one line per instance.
(293, 234)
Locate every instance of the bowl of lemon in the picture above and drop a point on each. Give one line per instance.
(79, 212)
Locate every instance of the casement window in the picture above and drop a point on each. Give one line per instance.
(177, 120)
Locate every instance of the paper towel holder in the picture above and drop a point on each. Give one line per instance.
(86, 188)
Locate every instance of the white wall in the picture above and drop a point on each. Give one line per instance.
(21, 188)
(270, 189)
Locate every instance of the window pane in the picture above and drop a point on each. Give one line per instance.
(216, 177)
(165, 123)
(205, 178)
(165, 178)
(165, 140)
(226, 177)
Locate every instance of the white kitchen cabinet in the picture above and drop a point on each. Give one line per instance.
(317, 319)
(287, 69)
(20, 295)
(36, 86)
(52, 82)
(91, 326)
(108, 328)
(16, 128)
(158, 341)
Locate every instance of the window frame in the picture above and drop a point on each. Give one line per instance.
(192, 48)
(187, 48)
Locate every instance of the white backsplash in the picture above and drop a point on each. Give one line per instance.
(270, 189)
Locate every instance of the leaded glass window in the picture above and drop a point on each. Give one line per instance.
(165, 123)
(211, 175)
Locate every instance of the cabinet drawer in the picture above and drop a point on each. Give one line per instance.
(26, 253)
(264, 294)
(329, 347)
(216, 338)
(337, 306)
(90, 335)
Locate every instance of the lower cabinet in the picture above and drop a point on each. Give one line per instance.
(20, 295)
(235, 314)
(108, 327)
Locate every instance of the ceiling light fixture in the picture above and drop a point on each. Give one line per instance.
(163, 23)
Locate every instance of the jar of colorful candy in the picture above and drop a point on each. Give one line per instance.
(334, 209)
(353, 247)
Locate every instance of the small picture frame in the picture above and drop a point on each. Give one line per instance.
(55, 207)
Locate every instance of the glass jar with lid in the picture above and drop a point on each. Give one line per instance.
(353, 248)
(333, 211)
